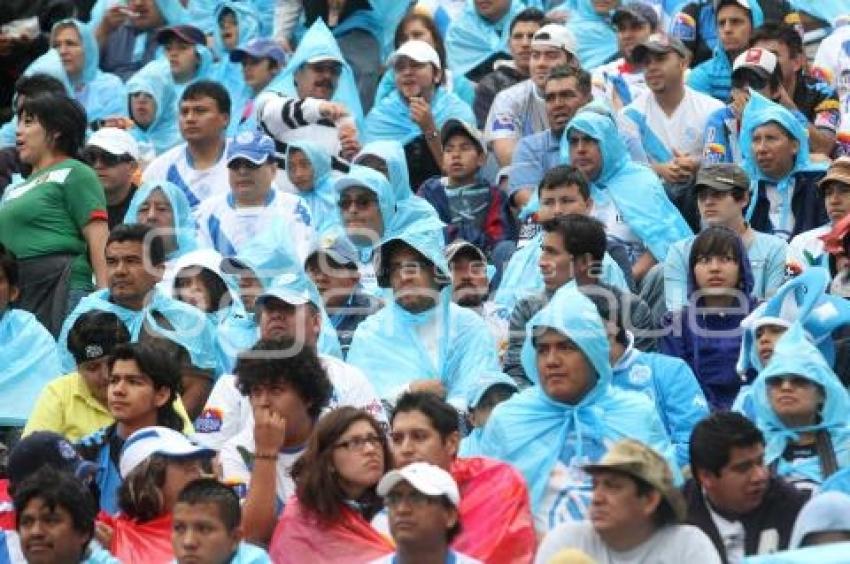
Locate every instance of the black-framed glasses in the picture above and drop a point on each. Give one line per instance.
(361, 202)
(237, 164)
(91, 155)
(358, 444)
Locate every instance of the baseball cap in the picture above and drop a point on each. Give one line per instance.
(338, 248)
(45, 448)
(659, 43)
(643, 13)
(557, 36)
(460, 245)
(638, 460)
(252, 145)
(259, 48)
(720, 3)
(95, 334)
(838, 171)
(417, 50)
(722, 176)
(424, 477)
(760, 60)
(187, 33)
(453, 125)
(158, 440)
(114, 141)
(487, 380)
(323, 57)
(288, 289)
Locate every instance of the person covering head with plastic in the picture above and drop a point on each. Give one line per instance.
(775, 148)
(308, 167)
(573, 404)
(163, 206)
(153, 109)
(199, 281)
(387, 157)
(801, 407)
(591, 21)
(445, 344)
(627, 197)
(480, 36)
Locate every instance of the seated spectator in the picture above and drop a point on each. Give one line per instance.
(426, 429)
(736, 20)
(156, 464)
(478, 38)
(287, 392)
(143, 387)
(333, 269)
(114, 156)
(58, 231)
(228, 222)
(414, 113)
(28, 359)
(667, 381)
(621, 81)
(466, 202)
(506, 73)
(732, 496)
(720, 283)
(596, 150)
(421, 340)
(153, 111)
(335, 499)
(261, 59)
(75, 405)
(636, 512)
(185, 58)
(199, 281)
(423, 504)
(387, 157)
(801, 92)
(492, 389)
(309, 170)
(207, 526)
(798, 402)
(807, 249)
(36, 83)
(775, 147)
(722, 196)
(573, 404)
(521, 109)
(164, 207)
(823, 520)
(56, 520)
(198, 166)
(663, 126)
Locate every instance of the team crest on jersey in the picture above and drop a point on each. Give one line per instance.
(504, 122)
(209, 421)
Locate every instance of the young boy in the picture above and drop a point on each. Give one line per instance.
(491, 389)
(470, 207)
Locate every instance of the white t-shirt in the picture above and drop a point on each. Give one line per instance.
(604, 85)
(175, 166)
(452, 557)
(227, 228)
(236, 458)
(516, 112)
(227, 412)
(673, 544)
(732, 534)
(782, 221)
(683, 130)
(615, 226)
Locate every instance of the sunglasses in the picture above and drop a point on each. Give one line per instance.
(92, 155)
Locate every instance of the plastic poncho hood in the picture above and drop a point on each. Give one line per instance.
(162, 132)
(212, 261)
(636, 191)
(91, 52)
(392, 153)
(184, 224)
(471, 39)
(598, 43)
(374, 181)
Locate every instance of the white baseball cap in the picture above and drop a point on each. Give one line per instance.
(758, 59)
(425, 478)
(158, 440)
(557, 36)
(114, 141)
(289, 289)
(417, 50)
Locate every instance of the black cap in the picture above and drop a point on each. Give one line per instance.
(45, 448)
(188, 33)
(95, 334)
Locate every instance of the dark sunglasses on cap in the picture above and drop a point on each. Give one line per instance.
(746, 77)
(91, 155)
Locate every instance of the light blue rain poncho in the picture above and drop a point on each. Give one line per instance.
(390, 118)
(321, 197)
(184, 224)
(318, 42)
(162, 133)
(456, 84)
(534, 432)
(28, 361)
(470, 445)
(597, 39)
(189, 326)
(392, 153)
(796, 355)
(636, 191)
(714, 76)
(210, 260)
(825, 512)
(471, 40)
(759, 111)
(387, 345)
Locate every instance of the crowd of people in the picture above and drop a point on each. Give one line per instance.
(397, 281)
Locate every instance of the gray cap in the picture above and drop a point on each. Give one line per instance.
(722, 176)
(659, 43)
(338, 248)
(461, 246)
(455, 125)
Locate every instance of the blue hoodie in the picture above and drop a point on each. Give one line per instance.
(712, 358)
(796, 355)
(714, 76)
(471, 40)
(597, 40)
(320, 197)
(184, 223)
(636, 191)
(538, 434)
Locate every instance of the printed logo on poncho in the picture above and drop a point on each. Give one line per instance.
(684, 27)
(302, 213)
(640, 374)
(209, 421)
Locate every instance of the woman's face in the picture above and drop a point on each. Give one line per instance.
(795, 399)
(190, 288)
(95, 373)
(414, 79)
(358, 458)
(32, 140)
(229, 30)
(716, 274)
(68, 43)
(178, 474)
(415, 29)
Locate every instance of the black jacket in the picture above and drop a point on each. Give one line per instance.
(807, 205)
(491, 84)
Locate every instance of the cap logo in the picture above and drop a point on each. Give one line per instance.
(66, 451)
(94, 351)
(753, 56)
(544, 36)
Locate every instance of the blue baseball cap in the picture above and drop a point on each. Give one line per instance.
(252, 145)
(259, 48)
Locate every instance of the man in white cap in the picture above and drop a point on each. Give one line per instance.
(114, 155)
(423, 502)
(521, 110)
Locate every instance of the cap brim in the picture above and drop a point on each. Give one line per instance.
(333, 255)
(347, 182)
(322, 59)
(395, 477)
(290, 298)
(752, 68)
(622, 14)
(253, 159)
(720, 186)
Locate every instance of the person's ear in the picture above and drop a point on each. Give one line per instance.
(438, 76)
(161, 396)
(14, 293)
(452, 517)
(651, 502)
(796, 145)
(452, 443)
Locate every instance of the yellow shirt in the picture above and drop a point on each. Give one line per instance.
(66, 406)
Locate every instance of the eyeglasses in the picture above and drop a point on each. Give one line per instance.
(236, 164)
(361, 202)
(92, 155)
(415, 499)
(358, 444)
